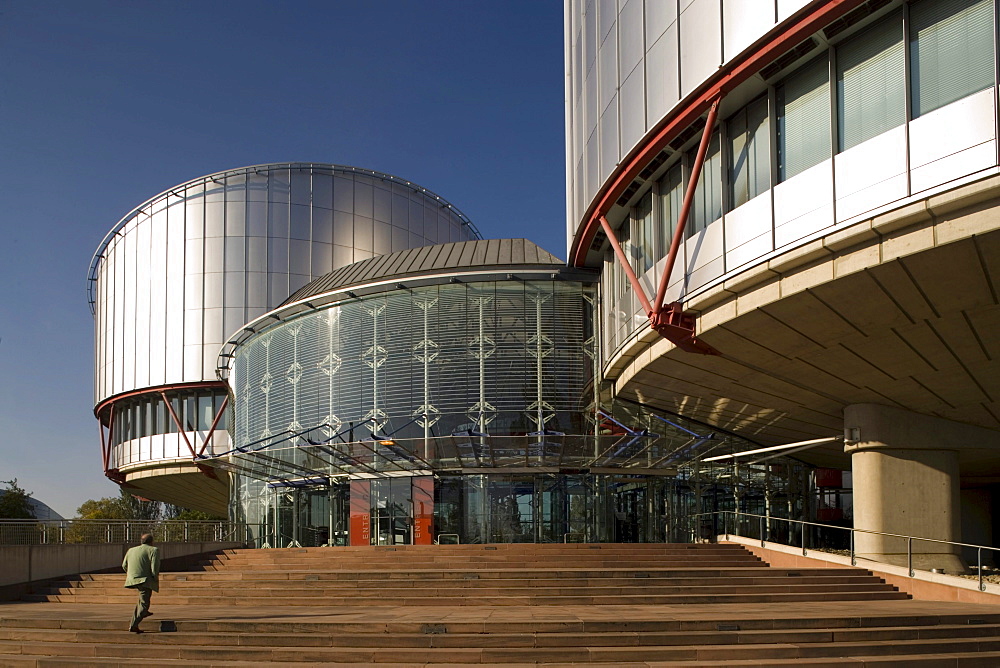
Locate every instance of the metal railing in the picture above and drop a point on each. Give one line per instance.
(808, 536)
(62, 532)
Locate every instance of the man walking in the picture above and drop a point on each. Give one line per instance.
(142, 569)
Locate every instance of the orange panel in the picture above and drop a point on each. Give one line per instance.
(423, 510)
(361, 512)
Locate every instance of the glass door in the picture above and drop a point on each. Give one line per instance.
(392, 511)
(511, 508)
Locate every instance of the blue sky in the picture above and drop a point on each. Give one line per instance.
(105, 104)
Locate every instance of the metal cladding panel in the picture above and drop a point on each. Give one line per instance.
(701, 43)
(748, 231)
(871, 174)
(953, 141)
(482, 253)
(803, 204)
(626, 60)
(187, 268)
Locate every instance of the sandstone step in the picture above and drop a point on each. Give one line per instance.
(479, 590)
(515, 605)
(653, 622)
(313, 579)
(147, 648)
(509, 639)
(494, 563)
(503, 600)
(509, 572)
(465, 584)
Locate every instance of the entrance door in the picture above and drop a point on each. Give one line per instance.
(630, 512)
(510, 507)
(392, 511)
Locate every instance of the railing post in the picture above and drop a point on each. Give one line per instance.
(909, 555)
(803, 532)
(982, 587)
(854, 559)
(725, 523)
(761, 530)
(185, 531)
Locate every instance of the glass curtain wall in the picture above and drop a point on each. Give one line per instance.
(507, 358)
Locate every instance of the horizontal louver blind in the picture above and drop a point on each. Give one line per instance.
(749, 151)
(707, 206)
(951, 50)
(871, 97)
(671, 196)
(804, 120)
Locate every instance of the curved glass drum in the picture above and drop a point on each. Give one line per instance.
(509, 358)
(408, 410)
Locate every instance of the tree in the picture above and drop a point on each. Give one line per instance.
(124, 507)
(14, 502)
(172, 512)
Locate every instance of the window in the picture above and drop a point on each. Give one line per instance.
(749, 154)
(671, 189)
(951, 51)
(206, 412)
(804, 120)
(643, 247)
(871, 95)
(707, 204)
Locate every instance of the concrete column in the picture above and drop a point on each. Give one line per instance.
(906, 481)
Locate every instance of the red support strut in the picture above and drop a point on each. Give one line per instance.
(623, 261)
(669, 319)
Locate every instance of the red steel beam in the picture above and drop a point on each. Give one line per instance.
(155, 390)
(106, 446)
(180, 427)
(773, 45)
(682, 217)
(623, 261)
(215, 423)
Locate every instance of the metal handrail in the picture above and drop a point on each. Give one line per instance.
(572, 533)
(764, 519)
(458, 539)
(84, 531)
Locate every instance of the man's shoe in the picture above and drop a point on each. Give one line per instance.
(135, 629)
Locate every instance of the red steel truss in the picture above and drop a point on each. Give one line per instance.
(107, 408)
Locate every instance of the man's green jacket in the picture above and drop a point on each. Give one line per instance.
(142, 567)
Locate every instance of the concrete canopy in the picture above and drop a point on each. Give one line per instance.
(899, 310)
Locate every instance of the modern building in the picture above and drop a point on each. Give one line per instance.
(793, 204)
(185, 269)
(780, 298)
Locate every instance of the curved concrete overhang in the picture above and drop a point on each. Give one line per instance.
(900, 309)
(180, 482)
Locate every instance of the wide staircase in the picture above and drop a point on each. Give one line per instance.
(626, 605)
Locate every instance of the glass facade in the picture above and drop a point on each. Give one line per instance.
(463, 411)
(505, 357)
(370, 400)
